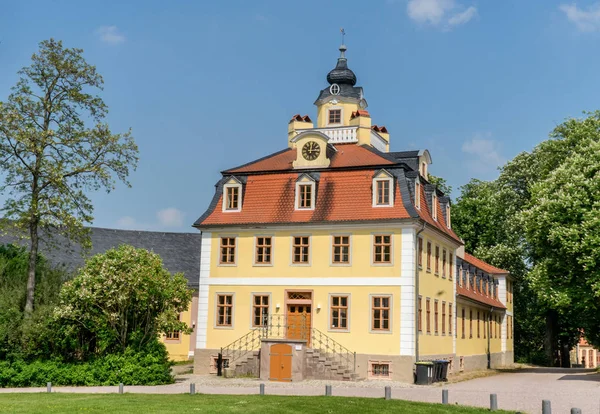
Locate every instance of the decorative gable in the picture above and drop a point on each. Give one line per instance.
(311, 150)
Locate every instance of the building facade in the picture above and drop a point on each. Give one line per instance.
(337, 246)
(585, 355)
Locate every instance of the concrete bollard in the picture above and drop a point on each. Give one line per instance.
(192, 388)
(48, 387)
(444, 396)
(262, 389)
(121, 388)
(575, 410)
(493, 402)
(388, 393)
(546, 407)
(328, 390)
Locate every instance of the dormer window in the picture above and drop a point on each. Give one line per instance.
(305, 193)
(383, 186)
(232, 196)
(418, 194)
(335, 116)
(423, 169)
(448, 215)
(434, 205)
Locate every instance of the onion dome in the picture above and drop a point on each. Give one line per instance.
(341, 74)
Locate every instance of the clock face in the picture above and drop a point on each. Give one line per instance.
(311, 150)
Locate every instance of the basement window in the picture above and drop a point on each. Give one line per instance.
(213, 364)
(380, 369)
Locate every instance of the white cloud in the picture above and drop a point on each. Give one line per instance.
(170, 217)
(585, 20)
(110, 34)
(484, 153)
(462, 18)
(441, 13)
(126, 222)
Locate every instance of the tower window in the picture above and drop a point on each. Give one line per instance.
(335, 116)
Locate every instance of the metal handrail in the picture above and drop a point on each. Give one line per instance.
(329, 346)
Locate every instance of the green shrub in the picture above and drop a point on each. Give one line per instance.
(148, 367)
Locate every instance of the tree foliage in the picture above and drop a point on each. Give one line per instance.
(441, 184)
(539, 221)
(55, 146)
(122, 299)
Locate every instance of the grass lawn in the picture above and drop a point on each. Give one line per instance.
(246, 404)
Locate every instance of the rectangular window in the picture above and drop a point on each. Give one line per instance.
(335, 116)
(450, 267)
(429, 256)
(382, 247)
(444, 263)
(227, 250)
(301, 246)
(420, 261)
(443, 318)
(260, 310)
(380, 370)
(428, 314)
(435, 316)
(341, 249)
(233, 198)
(224, 310)
(478, 324)
(470, 323)
(463, 323)
(339, 312)
(305, 196)
(381, 313)
(450, 320)
(437, 260)
(383, 192)
(173, 335)
(263, 250)
(420, 314)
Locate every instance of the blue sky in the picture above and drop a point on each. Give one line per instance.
(210, 85)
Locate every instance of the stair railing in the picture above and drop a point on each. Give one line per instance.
(330, 347)
(242, 346)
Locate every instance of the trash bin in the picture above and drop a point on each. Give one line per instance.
(444, 370)
(437, 371)
(424, 372)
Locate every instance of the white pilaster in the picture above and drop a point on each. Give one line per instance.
(407, 294)
(502, 297)
(202, 323)
(454, 305)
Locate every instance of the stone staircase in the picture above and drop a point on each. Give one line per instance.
(246, 366)
(322, 366)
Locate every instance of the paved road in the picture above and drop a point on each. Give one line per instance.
(523, 390)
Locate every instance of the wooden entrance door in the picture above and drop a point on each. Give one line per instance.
(298, 322)
(280, 360)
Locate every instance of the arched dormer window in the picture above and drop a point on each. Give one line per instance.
(448, 224)
(434, 205)
(305, 193)
(383, 189)
(418, 194)
(232, 195)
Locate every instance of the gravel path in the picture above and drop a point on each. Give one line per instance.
(523, 390)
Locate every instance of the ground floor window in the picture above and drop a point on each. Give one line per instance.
(381, 313)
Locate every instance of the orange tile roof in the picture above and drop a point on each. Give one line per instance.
(478, 297)
(440, 223)
(486, 267)
(341, 196)
(345, 156)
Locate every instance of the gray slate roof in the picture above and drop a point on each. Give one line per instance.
(180, 252)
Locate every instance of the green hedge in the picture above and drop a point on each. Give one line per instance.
(129, 368)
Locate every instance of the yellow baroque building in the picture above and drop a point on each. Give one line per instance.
(335, 258)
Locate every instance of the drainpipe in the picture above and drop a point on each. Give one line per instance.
(489, 329)
(417, 292)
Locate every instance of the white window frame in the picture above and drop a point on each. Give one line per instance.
(313, 187)
(341, 115)
(417, 194)
(224, 207)
(448, 224)
(383, 176)
(434, 205)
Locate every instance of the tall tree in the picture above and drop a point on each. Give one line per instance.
(55, 146)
